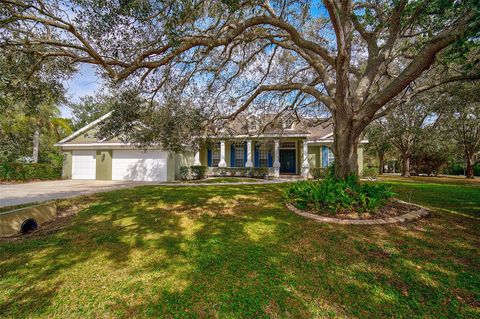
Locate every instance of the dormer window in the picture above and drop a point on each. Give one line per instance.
(253, 124)
(288, 124)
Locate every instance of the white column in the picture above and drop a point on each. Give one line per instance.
(249, 162)
(305, 164)
(222, 162)
(196, 162)
(276, 159)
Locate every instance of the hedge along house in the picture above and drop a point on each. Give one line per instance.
(283, 148)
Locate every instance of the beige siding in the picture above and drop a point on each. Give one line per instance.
(314, 156)
(183, 159)
(360, 159)
(203, 156)
(90, 137)
(104, 165)
(67, 165)
(171, 159)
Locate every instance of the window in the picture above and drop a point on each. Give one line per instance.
(287, 124)
(215, 154)
(264, 149)
(239, 154)
(331, 157)
(289, 145)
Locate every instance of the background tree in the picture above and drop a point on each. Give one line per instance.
(404, 125)
(90, 108)
(356, 60)
(463, 122)
(378, 143)
(30, 94)
(432, 150)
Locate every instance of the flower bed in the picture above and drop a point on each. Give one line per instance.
(339, 197)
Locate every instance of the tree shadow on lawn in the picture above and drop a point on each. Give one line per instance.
(237, 252)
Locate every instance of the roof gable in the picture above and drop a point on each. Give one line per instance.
(85, 129)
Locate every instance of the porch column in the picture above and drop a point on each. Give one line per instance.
(249, 162)
(196, 161)
(222, 162)
(276, 159)
(305, 164)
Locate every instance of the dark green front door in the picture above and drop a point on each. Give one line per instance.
(287, 161)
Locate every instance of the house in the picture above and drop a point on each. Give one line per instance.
(284, 147)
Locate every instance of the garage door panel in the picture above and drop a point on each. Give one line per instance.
(139, 166)
(84, 164)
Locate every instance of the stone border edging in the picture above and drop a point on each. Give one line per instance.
(411, 216)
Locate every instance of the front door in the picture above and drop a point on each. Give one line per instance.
(287, 161)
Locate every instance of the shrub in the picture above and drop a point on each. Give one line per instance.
(184, 173)
(29, 171)
(198, 171)
(259, 172)
(253, 172)
(335, 196)
(370, 172)
(318, 172)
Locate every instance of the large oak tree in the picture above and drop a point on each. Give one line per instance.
(357, 60)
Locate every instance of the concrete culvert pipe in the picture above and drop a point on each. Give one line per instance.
(28, 226)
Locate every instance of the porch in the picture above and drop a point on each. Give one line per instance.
(277, 156)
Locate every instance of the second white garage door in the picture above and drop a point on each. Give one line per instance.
(133, 165)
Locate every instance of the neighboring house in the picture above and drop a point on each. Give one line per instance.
(283, 148)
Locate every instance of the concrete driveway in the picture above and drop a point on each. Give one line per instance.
(17, 194)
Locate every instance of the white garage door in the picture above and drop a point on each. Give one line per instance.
(133, 165)
(83, 164)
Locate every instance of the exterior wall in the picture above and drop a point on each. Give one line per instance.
(203, 156)
(104, 165)
(298, 153)
(183, 159)
(227, 152)
(314, 156)
(360, 159)
(67, 165)
(171, 159)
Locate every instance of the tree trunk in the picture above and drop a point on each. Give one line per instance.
(406, 165)
(345, 144)
(36, 140)
(469, 171)
(380, 165)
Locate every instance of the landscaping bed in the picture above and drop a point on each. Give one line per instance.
(391, 209)
(345, 198)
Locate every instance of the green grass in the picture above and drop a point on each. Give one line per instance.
(236, 252)
(447, 194)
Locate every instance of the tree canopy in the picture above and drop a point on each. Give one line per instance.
(31, 92)
(353, 61)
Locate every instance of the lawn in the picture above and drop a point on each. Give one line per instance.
(448, 194)
(235, 252)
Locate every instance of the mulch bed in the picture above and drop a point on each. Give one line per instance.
(392, 209)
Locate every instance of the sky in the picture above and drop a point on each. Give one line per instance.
(86, 81)
(83, 83)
